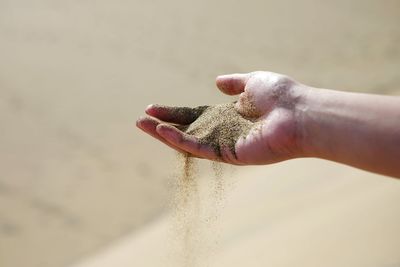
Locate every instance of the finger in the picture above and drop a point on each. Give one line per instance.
(177, 115)
(185, 142)
(149, 125)
(232, 84)
(229, 156)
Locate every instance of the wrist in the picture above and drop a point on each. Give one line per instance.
(318, 113)
(305, 102)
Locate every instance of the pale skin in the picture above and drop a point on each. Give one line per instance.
(360, 130)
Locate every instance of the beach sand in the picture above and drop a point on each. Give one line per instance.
(325, 215)
(79, 184)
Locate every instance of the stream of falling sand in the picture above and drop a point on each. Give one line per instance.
(195, 231)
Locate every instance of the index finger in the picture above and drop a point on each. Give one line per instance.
(177, 115)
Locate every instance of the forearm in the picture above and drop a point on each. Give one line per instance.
(361, 130)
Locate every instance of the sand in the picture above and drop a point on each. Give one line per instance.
(194, 232)
(325, 215)
(220, 127)
(78, 181)
(186, 209)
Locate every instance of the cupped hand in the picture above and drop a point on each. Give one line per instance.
(272, 101)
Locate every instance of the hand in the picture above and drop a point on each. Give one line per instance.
(270, 99)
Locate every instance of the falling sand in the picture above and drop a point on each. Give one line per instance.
(187, 212)
(220, 127)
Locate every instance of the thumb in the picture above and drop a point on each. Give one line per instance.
(232, 84)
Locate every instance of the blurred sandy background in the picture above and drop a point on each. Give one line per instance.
(76, 176)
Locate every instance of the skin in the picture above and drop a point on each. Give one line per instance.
(295, 120)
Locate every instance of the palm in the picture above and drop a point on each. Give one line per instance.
(271, 139)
